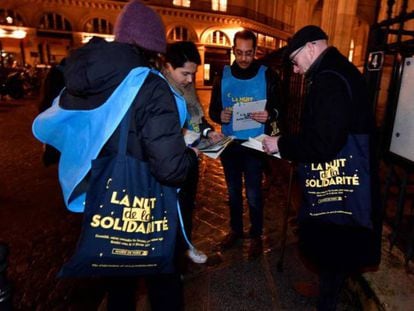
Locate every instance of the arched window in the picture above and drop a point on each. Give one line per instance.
(219, 38)
(98, 25)
(10, 17)
(178, 33)
(53, 21)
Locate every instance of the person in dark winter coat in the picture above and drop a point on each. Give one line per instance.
(93, 74)
(244, 82)
(181, 62)
(336, 109)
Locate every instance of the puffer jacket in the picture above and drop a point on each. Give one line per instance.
(93, 73)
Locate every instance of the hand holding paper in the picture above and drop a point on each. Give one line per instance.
(258, 143)
(215, 136)
(259, 116)
(225, 115)
(242, 115)
(270, 144)
(214, 149)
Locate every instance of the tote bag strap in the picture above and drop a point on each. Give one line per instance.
(348, 87)
(124, 130)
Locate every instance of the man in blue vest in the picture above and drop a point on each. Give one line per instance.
(244, 83)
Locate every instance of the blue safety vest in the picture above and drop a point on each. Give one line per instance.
(235, 90)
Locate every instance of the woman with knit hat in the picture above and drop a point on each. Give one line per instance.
(93, 76)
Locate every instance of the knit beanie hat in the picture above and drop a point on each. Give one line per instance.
(140, 25)
(304, 35)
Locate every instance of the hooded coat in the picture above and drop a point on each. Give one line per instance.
(94, 72)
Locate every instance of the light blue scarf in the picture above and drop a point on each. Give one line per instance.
(80, 134)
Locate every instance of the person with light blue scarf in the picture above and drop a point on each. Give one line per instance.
(182, 60)
(103, 81)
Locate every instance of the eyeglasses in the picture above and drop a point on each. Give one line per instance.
(240, 53)
(292, 58)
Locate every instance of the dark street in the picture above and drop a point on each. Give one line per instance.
(42, 235)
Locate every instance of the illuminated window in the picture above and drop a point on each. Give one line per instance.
(207, 72)
(219, 5)
(261, 39)
(218, 37)
(178, 33)
(185, 3)
(270, 42)
(266, 41)
(98, 25)
(86, 38)
(10, 17)
(53, 21)
(351, 51)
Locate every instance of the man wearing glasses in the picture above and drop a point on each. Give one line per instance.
(342, 234)
(244, 83)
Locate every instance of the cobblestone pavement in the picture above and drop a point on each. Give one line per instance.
(42, 235)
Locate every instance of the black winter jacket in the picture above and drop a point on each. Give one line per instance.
(330, 113)
(93, 72)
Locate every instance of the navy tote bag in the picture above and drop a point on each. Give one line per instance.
(339, 191)
(130, 220)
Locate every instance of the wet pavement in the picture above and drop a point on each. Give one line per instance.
(42, 235)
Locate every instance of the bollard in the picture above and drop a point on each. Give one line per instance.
(5, 287)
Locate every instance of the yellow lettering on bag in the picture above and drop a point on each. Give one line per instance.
(337, 180)
(113, 198)
(138, 202)
(119, 224)
(125, 201)
(136, 214)
(107, 222)
(116, 224)
(316, 167)
(95, 221)
(141, 228)
(131, 226)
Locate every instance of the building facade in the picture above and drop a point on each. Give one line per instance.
(37, 32)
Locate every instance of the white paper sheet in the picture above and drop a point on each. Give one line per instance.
(257, 144)
(241, 114)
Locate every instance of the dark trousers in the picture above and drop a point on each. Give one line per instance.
(335, 252)
(164, 291)
(239, 162)
(331, 282)
(186, 197)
